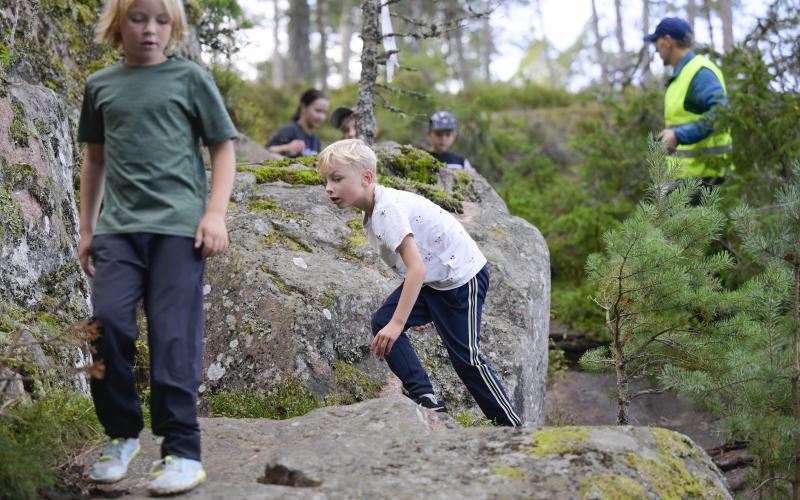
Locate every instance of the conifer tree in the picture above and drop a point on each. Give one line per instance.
(752, 377)
(656, 283)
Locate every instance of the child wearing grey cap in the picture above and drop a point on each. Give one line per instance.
(442, 134)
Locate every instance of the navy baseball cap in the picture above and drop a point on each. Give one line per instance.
(675, 27)
(442, 120)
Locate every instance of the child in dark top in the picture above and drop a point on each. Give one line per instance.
(445, 279)
(143, 122)
(442, 134)
(295, 138)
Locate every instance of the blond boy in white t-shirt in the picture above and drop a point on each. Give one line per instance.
(446, 279)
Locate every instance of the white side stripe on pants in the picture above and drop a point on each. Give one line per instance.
(472, 325)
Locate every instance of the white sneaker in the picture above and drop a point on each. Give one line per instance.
(113, 462)
(177, 475)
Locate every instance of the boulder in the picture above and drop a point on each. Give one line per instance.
(392, 448)
(295, 292)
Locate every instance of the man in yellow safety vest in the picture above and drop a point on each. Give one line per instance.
(694, 91)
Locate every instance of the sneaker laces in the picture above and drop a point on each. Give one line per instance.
(168, 463)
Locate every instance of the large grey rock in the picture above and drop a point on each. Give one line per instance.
(38, 240)
(295, 293)
(391, 448)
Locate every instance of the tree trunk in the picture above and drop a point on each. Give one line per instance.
(463, 67)
(726, 15)
(346, 34)
(277, 60)
(796, 380)
(299, 67)
(707, 12)
(598, 43)
(620, 33)
(414, 45)
(622, 396)
(322, 26)
(371, 35)
(646, 29)
(691, 13)
(487, 48)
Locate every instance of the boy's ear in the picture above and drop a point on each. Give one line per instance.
(368, 176)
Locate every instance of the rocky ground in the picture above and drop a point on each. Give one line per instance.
(391, 448)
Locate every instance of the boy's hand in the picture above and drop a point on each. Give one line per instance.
(419, 328)
(85, 255)
(382, 342)
(211, 234)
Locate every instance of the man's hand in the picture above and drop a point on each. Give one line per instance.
(382, 342)
(85, 255)
(667, 136)
(211, 234)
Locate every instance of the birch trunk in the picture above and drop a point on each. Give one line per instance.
(707, 12)
(346, 34)
(487, 47)
(646, 28)
(726, 15)
(277, 59)
(620, 33)
(322, 25)
(598, 43)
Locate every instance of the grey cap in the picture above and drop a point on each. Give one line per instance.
(442, 120)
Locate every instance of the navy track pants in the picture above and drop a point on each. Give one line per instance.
(456, 314)
(167, 272)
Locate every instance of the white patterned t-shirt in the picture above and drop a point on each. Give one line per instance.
(450, 254)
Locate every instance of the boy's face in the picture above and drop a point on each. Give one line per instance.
(349, 129)
(441, 140)
(146, 32)
(346, 187)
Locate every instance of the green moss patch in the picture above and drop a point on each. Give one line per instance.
(271, 206)
(451, 203)
(327, 298)
(667, 475)
(348, 247)
(351, 385)
(509, 472)
(18, 132)
(612, 487)
(558, 441)
(294, 243)
(412, 164)
(467, 419)
(11, 221)
(304, 176)
(286, 400)
(306, 161)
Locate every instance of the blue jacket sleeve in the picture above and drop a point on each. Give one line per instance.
(705, 93)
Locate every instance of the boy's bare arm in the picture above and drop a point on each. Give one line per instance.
(415, 276)
(211, 232)
(93, 176)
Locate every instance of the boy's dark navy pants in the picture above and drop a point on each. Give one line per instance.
(167, 272)
(456, 314)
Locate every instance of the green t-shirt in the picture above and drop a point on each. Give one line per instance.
(151, 120)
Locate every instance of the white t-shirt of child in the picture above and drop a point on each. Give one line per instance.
(450, 255)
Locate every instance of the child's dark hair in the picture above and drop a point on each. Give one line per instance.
(306, 99)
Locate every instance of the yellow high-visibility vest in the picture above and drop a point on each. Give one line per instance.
(709, 157)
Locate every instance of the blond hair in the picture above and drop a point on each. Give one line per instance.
(350, 153)
(109, 26)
